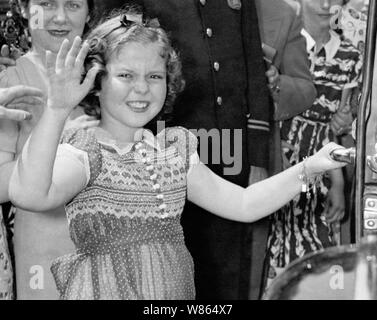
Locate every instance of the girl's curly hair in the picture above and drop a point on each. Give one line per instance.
(110, 36)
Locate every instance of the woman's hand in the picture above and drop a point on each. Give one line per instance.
(341, 121)
(273, 78)
(285, 145)
(335, 204)
(8, 57)
(66, 90)
(322, 161)
(14, 99)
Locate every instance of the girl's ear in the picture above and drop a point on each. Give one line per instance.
(87, 19)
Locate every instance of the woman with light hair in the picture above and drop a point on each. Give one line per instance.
(38, 238)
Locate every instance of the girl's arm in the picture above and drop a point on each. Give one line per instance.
(38, 182)
(230, 201)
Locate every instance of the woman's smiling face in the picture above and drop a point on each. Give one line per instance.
(134, 90)
(52, 21)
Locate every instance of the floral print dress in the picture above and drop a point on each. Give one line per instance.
(300, 227)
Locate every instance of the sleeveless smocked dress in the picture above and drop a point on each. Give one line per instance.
(125, 223)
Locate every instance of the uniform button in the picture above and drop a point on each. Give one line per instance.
(203, 2)
(219, 101)
(209, 32)
(216, 66)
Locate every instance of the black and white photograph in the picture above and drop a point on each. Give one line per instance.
(204, 152)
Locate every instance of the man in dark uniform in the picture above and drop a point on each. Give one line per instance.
(222, 59)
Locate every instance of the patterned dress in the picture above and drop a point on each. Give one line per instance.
(125, 223)
(300, 227)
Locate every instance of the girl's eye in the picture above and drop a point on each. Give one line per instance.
(125, 75)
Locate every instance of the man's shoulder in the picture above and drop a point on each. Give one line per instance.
(292, 5)
(282, 8)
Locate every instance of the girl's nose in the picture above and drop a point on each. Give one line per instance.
(141, 86)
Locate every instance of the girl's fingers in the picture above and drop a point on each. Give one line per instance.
(62, 54)
(50, 63)
(89, 79)
(72, 54)
(81, 56)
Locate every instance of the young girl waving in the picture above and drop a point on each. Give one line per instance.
(124, 189)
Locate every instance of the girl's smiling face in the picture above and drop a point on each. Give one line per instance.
(134, 89)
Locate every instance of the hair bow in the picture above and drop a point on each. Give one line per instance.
(129, 19)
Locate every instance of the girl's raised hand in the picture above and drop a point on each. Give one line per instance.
(65, 89)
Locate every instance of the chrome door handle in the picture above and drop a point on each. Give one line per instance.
(345, 155)
(372, 163)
